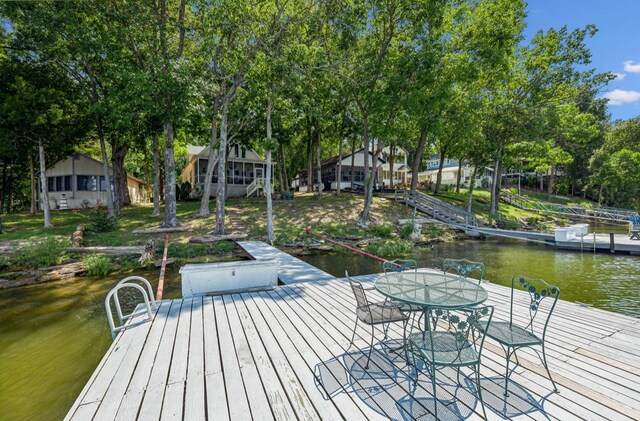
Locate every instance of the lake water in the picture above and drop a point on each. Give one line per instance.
(52, 336)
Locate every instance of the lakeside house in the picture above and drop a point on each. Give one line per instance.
(382, 178)
(245, 171)
(450, 170)
(78, 182)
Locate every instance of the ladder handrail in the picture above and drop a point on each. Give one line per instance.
(146, 283)
(107, 304)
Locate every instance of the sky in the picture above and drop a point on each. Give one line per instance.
(615, 48)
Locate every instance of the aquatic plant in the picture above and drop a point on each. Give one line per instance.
(390, 248)
(98, 265)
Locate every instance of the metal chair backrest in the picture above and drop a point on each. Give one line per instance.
(539, 292)
(464, 324)
(463, 267)
(358, 292)
(399, 265)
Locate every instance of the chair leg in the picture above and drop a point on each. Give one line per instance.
(506, 377)
(370, 347)
(546, 366)
(432, 371)
(479, 387)
(353, 335)
(404, 340)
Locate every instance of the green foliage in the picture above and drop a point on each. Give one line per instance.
(381, 230)
(189, 250)
(406, 230)
(48, 251)
(101, 221)
(390, 248)
(98, 265)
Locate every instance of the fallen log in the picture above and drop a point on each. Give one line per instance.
(214, 238)
(53, 273)
(159, 230)
(110, 250)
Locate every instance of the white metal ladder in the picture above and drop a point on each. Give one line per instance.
(149, 303)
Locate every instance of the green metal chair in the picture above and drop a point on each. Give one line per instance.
(458, 346)
(373, 314)
(463, 267)
(513, 337)
(397, 266)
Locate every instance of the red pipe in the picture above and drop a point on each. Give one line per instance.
(163, 267)
(355, 250)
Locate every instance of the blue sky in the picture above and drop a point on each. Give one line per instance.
(615, 48)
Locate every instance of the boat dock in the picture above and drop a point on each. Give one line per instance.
(284, 354)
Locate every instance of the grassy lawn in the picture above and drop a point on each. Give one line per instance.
(330, 214)
(561, 200)
(511, 216)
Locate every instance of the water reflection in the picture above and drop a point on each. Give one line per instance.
(603, 280)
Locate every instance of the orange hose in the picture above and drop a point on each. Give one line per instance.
(355, 250)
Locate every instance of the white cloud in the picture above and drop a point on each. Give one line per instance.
(621, 97)
(620, 76)
(630, 67)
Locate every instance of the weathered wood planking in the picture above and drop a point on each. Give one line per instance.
(272, 355)
(290, 269)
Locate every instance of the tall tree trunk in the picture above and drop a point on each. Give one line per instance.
(392, 158)
(4, 187)
(44, 193)
(309, 157)
(34, 188)
(495, 183)
(367, 179)
(267, 183)
(417, 157)
(119, 177)
(339, 169)
(472, 184)
(541, 181)
(552, 180)
(156, 175)
(459, 178)
(221, 187)
(318, 163)
(170, 207)
(353, 157)
(213, 144)
(439, 175)
(283, 170)
(105, 165)
(10, 192)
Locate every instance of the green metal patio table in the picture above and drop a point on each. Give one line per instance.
(431, 290)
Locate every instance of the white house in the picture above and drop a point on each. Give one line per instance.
(450, 170)
(245, 170)
(78, 181)
(401, 171)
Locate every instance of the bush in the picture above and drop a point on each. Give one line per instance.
(390, 248)
(184, 190)
(381, 230)
(102, 222)
(97, 265)
(47, 252)
(406, 230)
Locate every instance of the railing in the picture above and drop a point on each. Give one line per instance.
(257, 184)
(601, 213)
(438, 209)
(147, 295)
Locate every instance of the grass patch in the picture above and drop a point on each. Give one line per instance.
(190, 250)
(49, 251)
(390, 248)
(98, 265)
(381, 230)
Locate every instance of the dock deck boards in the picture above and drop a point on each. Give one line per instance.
(291, 269)
(283, 354)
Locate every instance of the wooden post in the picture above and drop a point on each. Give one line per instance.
(163, 267)
(612, 246)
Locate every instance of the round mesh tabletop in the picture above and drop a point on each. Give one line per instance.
(430, 289)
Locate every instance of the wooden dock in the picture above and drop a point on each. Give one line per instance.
(290, 269)
(283, 354)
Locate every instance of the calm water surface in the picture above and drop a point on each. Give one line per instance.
(52, 336)
(606, 281)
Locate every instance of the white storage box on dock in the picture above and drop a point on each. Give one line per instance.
(215, 278)
(565, 234)
(581, 229)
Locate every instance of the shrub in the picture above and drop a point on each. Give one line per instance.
(381, 230)
(406, 230)
(97, 265)
(47, 252)
(102, 222)
(390, 248)
(184, 190)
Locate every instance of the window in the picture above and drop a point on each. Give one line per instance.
(235, 149)
(59, 183)
(87, 182)
(103, 185)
